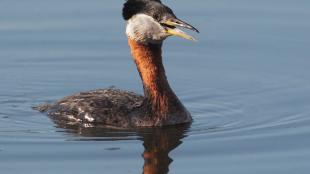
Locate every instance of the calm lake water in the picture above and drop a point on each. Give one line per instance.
(246, 83)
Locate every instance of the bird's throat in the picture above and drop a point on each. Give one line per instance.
(157, 91)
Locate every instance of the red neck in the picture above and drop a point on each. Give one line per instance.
(156, 87)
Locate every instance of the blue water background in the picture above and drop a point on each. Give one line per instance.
(246, 83)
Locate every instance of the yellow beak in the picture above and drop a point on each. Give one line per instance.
(179, 33)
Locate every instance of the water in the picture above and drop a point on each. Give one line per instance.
(246, 83)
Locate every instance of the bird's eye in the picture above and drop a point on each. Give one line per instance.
(156, 16)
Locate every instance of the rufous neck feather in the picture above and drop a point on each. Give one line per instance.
(156, 88)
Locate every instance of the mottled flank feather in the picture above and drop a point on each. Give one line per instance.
(103, 106)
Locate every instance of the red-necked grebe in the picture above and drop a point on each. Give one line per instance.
(149, 23)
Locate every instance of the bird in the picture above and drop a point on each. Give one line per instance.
(148, 24)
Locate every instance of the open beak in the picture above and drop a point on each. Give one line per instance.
(171, 28)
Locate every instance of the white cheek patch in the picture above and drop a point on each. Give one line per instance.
(144, 28)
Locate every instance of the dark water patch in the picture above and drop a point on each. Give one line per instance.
(112, 148)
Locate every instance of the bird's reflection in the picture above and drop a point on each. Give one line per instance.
(157, 147)
(157, 142)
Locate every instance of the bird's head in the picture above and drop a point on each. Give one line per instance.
(149, 21)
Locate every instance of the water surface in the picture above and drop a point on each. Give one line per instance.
(246, 83)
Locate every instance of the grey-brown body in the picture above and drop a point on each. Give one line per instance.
(105, 107)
